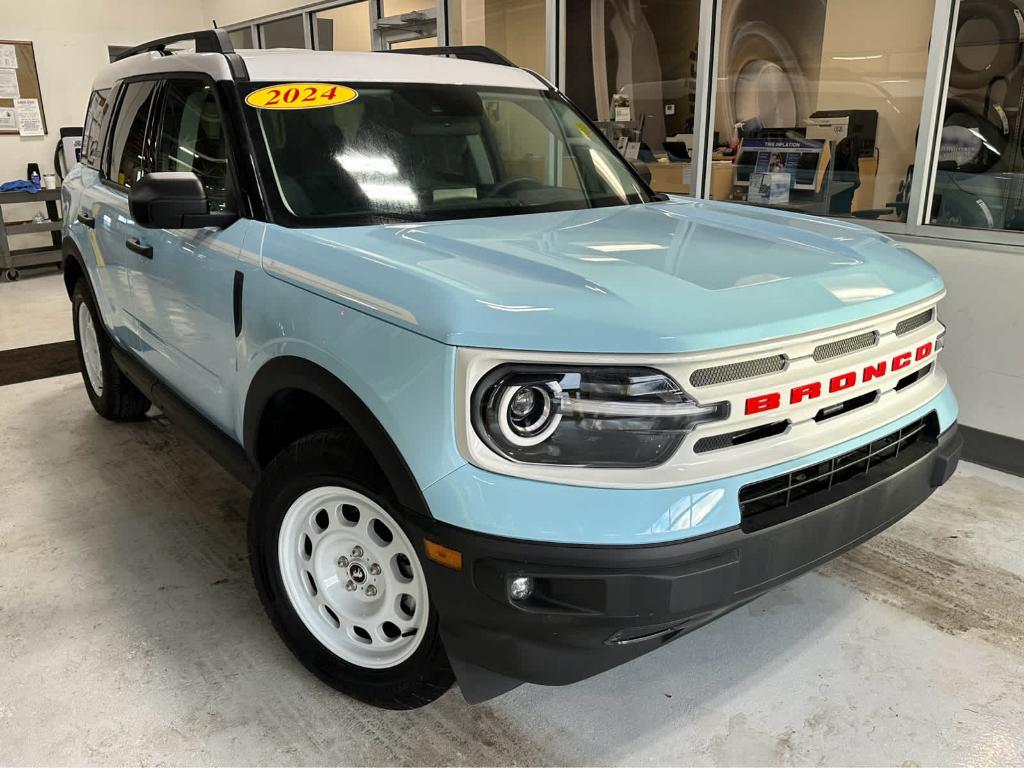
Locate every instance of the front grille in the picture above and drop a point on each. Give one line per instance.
(913, 323)
(845, 346)
(748, 369)
(784, 497)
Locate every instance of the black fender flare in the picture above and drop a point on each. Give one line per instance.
(289, 372)
(70, 252)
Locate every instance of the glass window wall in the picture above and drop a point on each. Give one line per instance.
(979, 173)
(819, 103)
(345, 28)
(632, 67)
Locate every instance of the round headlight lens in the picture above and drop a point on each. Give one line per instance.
(528, 414)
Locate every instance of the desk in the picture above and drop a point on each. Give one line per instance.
(674, 178)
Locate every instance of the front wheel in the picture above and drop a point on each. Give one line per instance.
(341, 579)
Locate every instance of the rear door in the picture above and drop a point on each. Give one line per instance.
(82, 218)
(183, 295)
(116, 233)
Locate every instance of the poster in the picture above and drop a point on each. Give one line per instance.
(9, 84)
(7, 120)
(8, 58)
(30, 119)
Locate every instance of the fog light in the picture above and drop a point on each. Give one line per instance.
(520, 588)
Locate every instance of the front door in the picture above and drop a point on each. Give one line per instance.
(183, 295)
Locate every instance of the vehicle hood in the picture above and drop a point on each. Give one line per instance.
(677, 276)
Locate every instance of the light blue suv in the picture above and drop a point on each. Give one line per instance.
(508, 414)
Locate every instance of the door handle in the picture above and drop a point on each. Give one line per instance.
(85, 218)
(140, 248)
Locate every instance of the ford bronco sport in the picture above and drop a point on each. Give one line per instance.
(508, 414)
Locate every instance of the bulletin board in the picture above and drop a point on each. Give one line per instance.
(27, 78)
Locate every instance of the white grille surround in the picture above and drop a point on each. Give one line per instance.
(802, 437)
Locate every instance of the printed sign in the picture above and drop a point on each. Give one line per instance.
(8, 56)
(9, 84)
(300, 96)
(30, 119)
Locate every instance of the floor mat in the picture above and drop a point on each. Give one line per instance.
(38, 362)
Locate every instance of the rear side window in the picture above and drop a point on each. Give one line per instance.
(192, 138)
(127, 144)
(96, 119)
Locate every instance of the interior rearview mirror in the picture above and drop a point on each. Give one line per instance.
(173, 200)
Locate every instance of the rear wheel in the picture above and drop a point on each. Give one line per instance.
(110, 392)
(340, 577)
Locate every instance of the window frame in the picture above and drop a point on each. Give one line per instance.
(244, 205)
(106, 158)
(103, 127)
(232, 187)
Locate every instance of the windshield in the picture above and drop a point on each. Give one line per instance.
(425, 152)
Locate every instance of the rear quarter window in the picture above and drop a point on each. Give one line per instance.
(97, 117)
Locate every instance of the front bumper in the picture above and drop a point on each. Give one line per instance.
(596, 607)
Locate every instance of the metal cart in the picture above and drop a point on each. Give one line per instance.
(13, 260)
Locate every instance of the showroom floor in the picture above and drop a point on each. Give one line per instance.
(130, 631)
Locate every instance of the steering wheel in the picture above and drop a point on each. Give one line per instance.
(516, 181)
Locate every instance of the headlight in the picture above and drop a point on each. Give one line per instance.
(591, 416)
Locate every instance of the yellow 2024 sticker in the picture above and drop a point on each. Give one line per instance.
(300, 96)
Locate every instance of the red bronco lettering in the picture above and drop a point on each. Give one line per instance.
(812, 390)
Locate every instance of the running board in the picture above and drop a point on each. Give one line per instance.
(225, 451)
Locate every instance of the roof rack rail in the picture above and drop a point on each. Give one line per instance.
(206, 40)
(469, 52)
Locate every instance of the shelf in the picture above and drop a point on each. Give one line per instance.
(43, 195)
(29, 227)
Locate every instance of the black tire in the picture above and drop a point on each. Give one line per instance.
(323, 459)
(119, 400)
(1002, 15)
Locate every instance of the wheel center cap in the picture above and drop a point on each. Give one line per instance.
(357, 573)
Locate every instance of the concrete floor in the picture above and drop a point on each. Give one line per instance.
(130, 633)
(34, 310)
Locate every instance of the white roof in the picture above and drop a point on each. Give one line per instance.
(297, 65)
(291, 64)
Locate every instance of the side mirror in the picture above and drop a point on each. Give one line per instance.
(173, 200)
(642, 170)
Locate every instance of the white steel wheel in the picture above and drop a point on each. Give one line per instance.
(353, 577)
(90, 349)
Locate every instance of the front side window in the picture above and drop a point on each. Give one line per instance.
(979, 167)
(192, 138)
(427, 152)
(127, 147)
(95, 127)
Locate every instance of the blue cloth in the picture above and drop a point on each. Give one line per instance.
(19, 185)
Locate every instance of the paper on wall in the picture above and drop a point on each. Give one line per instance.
(30, 119)
(9, 84)
(8, 57)
(8, 122)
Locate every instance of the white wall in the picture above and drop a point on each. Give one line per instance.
(70, 42)
(984, 312)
